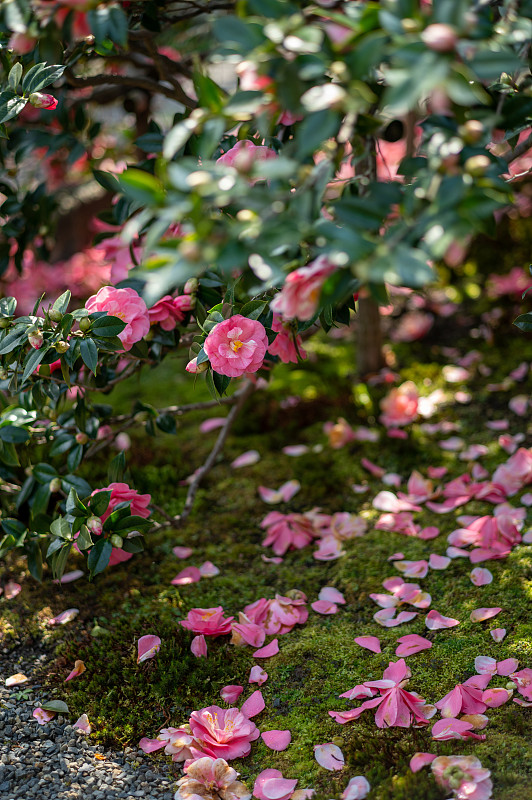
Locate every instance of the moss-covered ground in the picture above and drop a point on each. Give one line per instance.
(319, 660)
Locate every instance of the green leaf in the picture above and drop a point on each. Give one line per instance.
(133, 545)
(32, 361)
(99, 557)
(89, 352)
(74, 457)
(58, 706)
(489, 64)
(35, 560)
(177, 137)
(10, 105)
(74, 506)
(108, 326)
(60, 527)
(221, 382)
(62, 444)
(132, 522)
(61, 304)
(40, 76)
(99, 502)
(15, 74)
(117, 467)
(11, 341)
(14, 527)
(15, 15)
(166, 423)
(84, 540)
(142, 187)
(210, 95)
(59, 560)
(253, 309)
(106, 180)
(14, 434)
(524, 322)
(44, 473)
(53, 547)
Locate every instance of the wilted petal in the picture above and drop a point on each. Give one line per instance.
(446, 729)
(268, 650)
(247, 459)
(324, 607)
(11, 589)
(79, 668)
(430, 532)
(356, 789)
(83, 725)
(369, 642)
(231, 693)
(412, 569)
(481, 614)
(295, 450)
(271, 496)
(276, 740)
(329, 756)
(42, 716)
(495, 697)
(258, 675)
(186, 576)
(438, 562)
(507, 666)
(478, 721)
(412, 643)
(420, 760)
(289, 489)
(436, 621)
(198, 646)
(519, 404)
(331, 595)
(485, 665)
(147, 647)
(208, 570)
(212, 424)
(498, 634)
(64, 617)
(68, 577)
(480, 576)
(182, 552)
(253, 705)
(16, 680)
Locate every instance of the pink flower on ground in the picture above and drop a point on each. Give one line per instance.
(465, 698)
(523, 679)
(287, 344)
(270, 785)
(210, 779)
(397, 707)
(170, 311)
(463, 775)
(236, 346)
(223, 733)
(177, 742)
(207, 621)
(287, 531)
(279, 616)
(300, 294)
(400, 406)
(128, 306)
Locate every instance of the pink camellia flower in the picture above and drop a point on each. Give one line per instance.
(463, 775)
(244, 154)
(300, 294)
(127, 305)
(400, 406)
(397, 707)
(177, 742)
(247, 632)
(236, 346)
(211, 778)
(287, 531)
(40, 100)
(138, 504)
(223, 733)
(523, 679)
(279, 616)
(170, 311)
(207, 621)
(287, 344)
(465, 698)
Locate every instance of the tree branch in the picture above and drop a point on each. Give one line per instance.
(519, 150)
(135, 82)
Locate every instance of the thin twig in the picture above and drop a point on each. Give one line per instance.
(133, 81)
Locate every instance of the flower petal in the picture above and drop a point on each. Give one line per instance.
(253, 705)
(329, 756)
(268, 650)
(420, 760)
(276, 740)
(148, 646)
(369, 642)
(482, 614)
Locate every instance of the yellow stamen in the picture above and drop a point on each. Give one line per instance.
(236, 345)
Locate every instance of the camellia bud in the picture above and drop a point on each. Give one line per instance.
(190, 250)
(196, 368)
(84, 324)
(3, 374)
(471, 131)
(94, 524)
(55, 315)
(511, 685)
(40, 100)
(410, 25)
(82, 438)
(36, 339)
(61, 346)
(440, 37)
(5, 322)
(55, 485)
(477, 165)
(141, 416)
(116, 541)
(191, 286)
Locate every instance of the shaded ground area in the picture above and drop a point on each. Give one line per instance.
(319, 660)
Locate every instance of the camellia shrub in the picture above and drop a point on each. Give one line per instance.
(262, 170)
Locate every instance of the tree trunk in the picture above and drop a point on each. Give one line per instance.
(370, 357)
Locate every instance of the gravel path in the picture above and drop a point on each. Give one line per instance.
(54, 760)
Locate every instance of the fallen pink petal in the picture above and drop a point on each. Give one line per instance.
(187, 576)
(482, 614)
(270, 785)
(70, 577)
(498, 634)
(208, 570)
(147, 647)
(16, 680)
(276, 740)
(198, 646)
(79, 669)
(11, 589)
(331, 595)
(481, 576)
(64, 617)
(268, 650)
(182, 552)
(231, 693)
(253, 705)
(42, 716)
(83, 725)
(257, 675)
(412, 643)
(357, 789)
(369, 643)
(329, 756)
(324, 607)
(247, 459)
(436, 621)
(420, 760)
